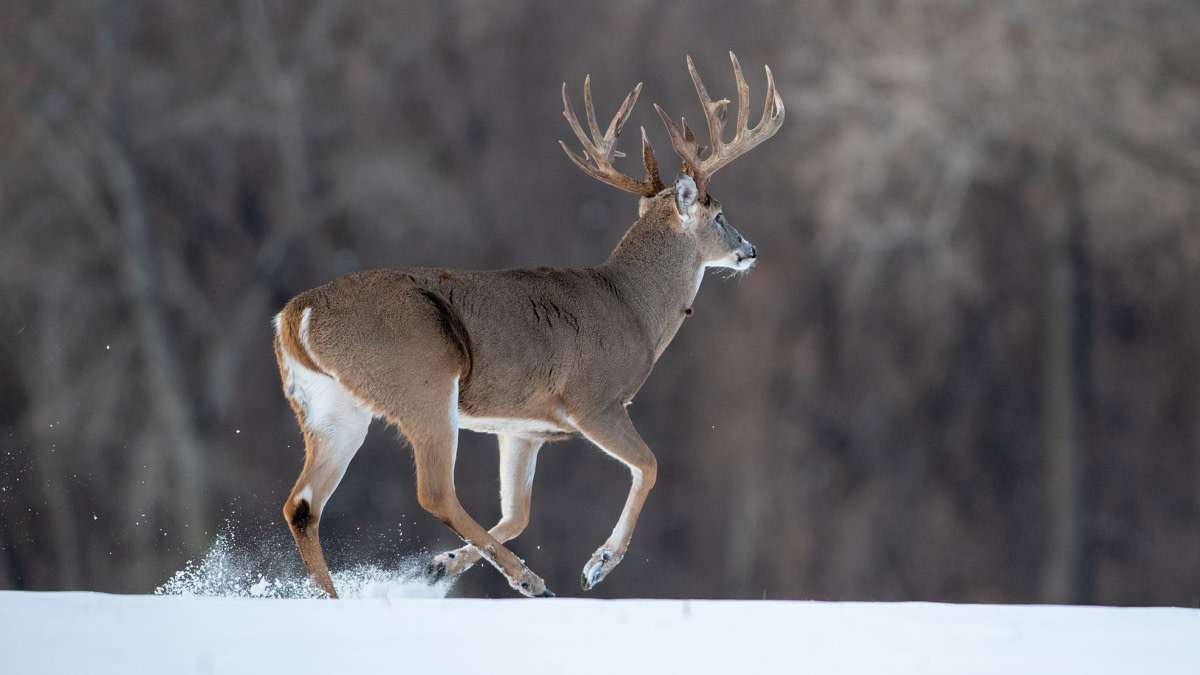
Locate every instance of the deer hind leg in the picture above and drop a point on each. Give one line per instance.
(613, 432)
(433, 430)
(518, 461)
(334, 423)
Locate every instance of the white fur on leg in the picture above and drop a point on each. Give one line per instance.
(331, 413)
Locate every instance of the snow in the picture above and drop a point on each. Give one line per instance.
(242, 609)
(70, 632)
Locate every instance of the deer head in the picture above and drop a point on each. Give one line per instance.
(697, 213)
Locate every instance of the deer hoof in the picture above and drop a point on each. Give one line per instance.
(449, 564)
(602, 562)
(531, 586)
(435, 571)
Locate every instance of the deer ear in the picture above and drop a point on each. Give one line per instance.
(685, 194)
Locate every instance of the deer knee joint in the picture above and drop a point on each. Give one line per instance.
(438, 502)
(520, 520)
(649, 474)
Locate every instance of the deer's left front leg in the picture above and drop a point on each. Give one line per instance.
(613, 432)
(518, 461)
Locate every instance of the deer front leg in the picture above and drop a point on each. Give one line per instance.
(433, 431)
(435, 491)
(518, 461)
(613, 433)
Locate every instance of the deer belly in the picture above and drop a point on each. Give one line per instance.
(507, 426)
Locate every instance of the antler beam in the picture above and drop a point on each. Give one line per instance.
(689, 149)
(599, 151)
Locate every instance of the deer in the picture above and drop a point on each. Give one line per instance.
(531, 356)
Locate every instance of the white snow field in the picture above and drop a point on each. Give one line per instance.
(76, 632)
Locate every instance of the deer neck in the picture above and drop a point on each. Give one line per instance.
(656, 270)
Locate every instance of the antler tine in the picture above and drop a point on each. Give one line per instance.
(599, 151)
(715, 114)
(714, 111)
(744, 93)
(651, 163)
(591, 110)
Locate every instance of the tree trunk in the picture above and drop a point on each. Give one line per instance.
(1065, 578)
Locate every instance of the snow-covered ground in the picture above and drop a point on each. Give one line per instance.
(240, 610)
(391, 632)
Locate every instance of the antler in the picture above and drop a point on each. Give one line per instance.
(598, 152)
(723, 153)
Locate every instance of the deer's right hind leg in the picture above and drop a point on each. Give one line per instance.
(518, 461)
(334, 425)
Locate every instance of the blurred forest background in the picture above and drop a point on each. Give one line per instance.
(966, 367)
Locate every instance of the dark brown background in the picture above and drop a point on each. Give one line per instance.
(967, 366)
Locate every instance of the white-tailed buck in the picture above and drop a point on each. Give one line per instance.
(529, 355)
